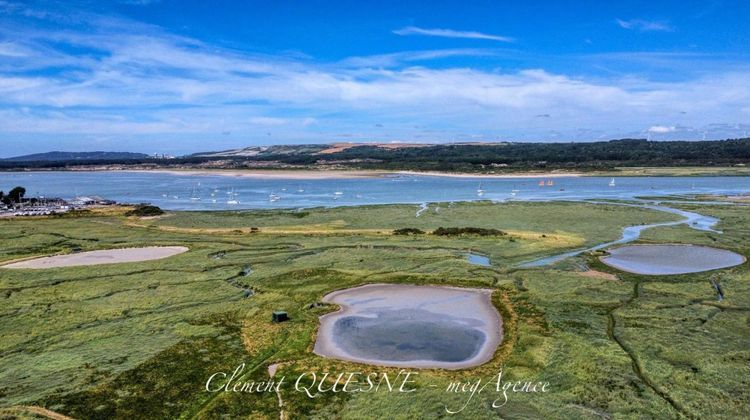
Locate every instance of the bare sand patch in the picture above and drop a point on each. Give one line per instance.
(501, 175)
(301, 174)
(411, 326)
(308, 174)
(340, 147)
(105, 256)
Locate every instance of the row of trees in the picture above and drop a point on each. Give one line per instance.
(462, 157)
(14, 196)
(627, 152)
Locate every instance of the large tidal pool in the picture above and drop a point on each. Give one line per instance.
(411, 326)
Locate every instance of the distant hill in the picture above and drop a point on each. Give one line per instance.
(77, 157)
(256, 151)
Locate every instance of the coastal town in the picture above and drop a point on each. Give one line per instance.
(15, 203)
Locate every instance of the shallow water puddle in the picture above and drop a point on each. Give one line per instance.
(477, 259)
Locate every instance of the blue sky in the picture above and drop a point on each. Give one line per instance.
(183, 76)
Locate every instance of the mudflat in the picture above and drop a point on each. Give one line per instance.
(105, 256)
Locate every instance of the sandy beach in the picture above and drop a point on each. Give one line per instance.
(106, 256)
(270, 173)
(471, 306)
(341, 174)
(513, 175)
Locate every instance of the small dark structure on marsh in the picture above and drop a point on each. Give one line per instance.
(717, 286)
(280, 316)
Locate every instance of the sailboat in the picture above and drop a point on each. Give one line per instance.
(232, 197)
(541, 182)
(612, 182)
(194, 196)
(480, 191)
(550, 182)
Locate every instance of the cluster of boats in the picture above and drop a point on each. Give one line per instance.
(232, 196)
(542, 183)
(481, 191)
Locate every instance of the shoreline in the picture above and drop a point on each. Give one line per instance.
(321, 174)
(514, 175)
(311, 174)
(302, 174)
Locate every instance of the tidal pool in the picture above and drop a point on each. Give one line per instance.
(411, 326)
(477, 259)
(670, 259)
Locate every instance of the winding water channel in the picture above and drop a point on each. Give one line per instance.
(631, 233)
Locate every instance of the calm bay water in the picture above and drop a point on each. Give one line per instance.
(212, 192)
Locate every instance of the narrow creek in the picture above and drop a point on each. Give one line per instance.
(631, 233)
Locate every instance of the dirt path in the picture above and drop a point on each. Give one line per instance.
(272, 368)
(41, 411)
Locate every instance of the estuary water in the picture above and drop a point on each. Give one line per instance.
(220, 192)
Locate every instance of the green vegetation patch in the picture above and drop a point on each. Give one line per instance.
(140, 340)
(441, 231)
(145, 211)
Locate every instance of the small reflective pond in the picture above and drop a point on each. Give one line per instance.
(477, 259)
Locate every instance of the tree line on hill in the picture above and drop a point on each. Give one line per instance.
(464, 157)
(543, 155)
